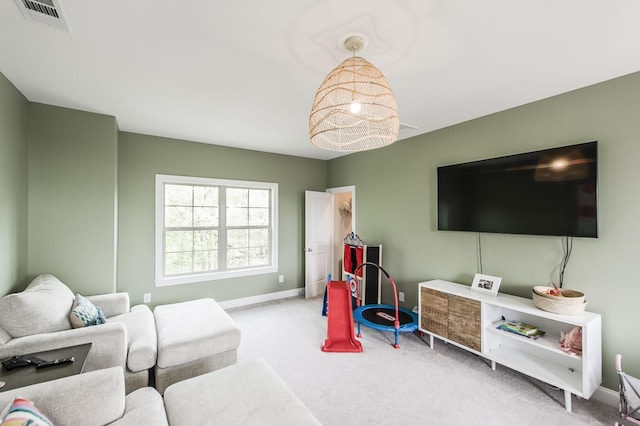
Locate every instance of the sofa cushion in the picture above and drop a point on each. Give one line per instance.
(22, 412)
(188, 331)
(248, 393)
(143, 407)
(85, 313)
(43, 307)
(4, 337)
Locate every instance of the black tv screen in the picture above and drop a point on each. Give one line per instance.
(548, 192)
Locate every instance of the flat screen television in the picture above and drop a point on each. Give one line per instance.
(549, 192)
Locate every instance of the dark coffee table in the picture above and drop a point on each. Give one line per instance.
(24, 376)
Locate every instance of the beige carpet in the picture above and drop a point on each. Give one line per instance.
(412, 385)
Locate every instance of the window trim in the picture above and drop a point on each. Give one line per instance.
(160, 181)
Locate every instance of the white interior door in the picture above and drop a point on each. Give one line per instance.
(318, 241)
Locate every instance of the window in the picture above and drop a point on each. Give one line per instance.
(209, 229)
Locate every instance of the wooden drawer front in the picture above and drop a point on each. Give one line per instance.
(461, 306)
(436, 323)
(464, 321)
(434, 299)
(465, 331)
(433, 309)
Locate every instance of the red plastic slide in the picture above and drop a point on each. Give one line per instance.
(340, 335)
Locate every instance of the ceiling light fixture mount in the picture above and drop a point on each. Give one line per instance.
(354, 43)
(354, 108)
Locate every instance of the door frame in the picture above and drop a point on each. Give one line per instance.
(333, 234)
(337, 190)
(352, 190)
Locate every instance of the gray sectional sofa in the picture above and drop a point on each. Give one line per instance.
(182, 343)
(38, 319)
(247, 393)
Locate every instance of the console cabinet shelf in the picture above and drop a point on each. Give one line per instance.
(455, 314)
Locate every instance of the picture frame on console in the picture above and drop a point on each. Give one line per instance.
(486, 284)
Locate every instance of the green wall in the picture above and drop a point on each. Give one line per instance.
(397, 207)
(78, 201)
(72, 197)
(142, 157)
(13, 187)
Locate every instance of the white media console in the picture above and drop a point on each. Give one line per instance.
(456, 314)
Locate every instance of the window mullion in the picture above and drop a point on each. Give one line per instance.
(193, 232)
(222, 226)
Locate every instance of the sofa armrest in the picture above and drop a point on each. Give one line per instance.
(94, 398)
(143, 341)
(112, 304)
(108, 344)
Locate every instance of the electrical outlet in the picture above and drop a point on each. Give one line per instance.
(147, 297)
(401, 296)
(281, 279)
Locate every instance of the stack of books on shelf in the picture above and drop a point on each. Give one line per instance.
(522, 329)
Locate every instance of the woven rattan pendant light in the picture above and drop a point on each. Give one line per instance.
(354, 109)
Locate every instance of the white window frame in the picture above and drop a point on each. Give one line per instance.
(162, 280)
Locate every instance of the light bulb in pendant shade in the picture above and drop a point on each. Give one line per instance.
(354, 109)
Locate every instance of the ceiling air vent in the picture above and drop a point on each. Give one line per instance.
(404, 127)
(46, 12)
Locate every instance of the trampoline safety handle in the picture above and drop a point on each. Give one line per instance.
(395, 291)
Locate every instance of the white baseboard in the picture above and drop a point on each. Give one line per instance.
(606, 396)
(235, 303)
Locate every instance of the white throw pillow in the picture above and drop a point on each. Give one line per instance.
(43, 307)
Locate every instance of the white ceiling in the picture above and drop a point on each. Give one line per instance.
(244, 73)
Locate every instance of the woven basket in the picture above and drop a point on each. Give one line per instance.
(559, 305)
(572, 295)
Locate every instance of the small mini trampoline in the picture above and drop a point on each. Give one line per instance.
(386, 317)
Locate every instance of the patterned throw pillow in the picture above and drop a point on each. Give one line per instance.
(85, 313)
(22, 412)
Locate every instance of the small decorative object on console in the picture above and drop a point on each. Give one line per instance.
(555, 293)
(521, 329)
(559, 301)
(572, 341)
(486, 284)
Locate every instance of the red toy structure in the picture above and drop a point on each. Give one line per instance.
(340, 335)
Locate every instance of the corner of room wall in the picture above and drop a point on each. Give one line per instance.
(13, 187)
(72, 173)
